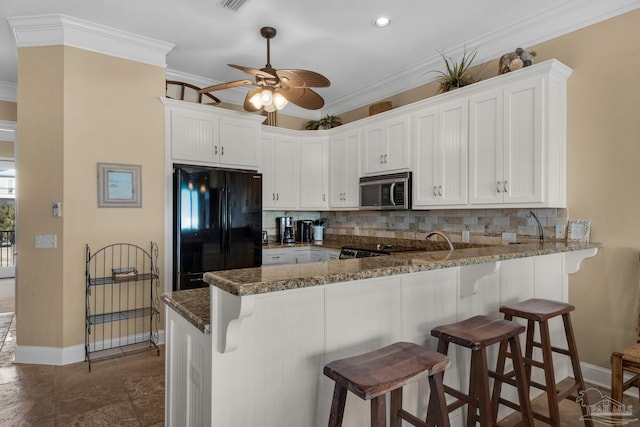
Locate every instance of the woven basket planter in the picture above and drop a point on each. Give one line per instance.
(380, 107)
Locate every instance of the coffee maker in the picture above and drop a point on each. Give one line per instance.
(284, 229)
(303, 230)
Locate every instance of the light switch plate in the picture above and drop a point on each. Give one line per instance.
(465, 236)
(46, 241)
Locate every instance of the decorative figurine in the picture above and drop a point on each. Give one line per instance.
(515, 60)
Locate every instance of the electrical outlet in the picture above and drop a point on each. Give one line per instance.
(560, 231)
(509, 237)
(465, 236)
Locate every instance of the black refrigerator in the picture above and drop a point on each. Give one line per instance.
(217, 222)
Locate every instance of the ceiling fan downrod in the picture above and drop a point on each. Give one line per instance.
(268, 33)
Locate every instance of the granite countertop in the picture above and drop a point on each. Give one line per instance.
(250, 281)
(193, 305)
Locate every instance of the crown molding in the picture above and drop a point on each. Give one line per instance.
(52, 30)
(564, 18)
(8, 92)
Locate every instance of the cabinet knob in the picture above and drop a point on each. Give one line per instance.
(440, 190)
(277, 196)
(498, 187)
(381, 158)
(504, 186)
(385, 158)
(215, 150)
(324, 198)
(435, 191)
(222, 151)
(273, 196)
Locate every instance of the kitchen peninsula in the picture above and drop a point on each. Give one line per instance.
(273, 328)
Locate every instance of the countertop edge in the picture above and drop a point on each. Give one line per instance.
(412, 264)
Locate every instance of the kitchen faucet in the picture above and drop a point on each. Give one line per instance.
(441, 234)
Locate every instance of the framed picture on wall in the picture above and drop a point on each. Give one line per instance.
(579, 231)
(119, 186)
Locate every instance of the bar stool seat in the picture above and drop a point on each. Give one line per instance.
(372, 375)
(477, 333)
(540, 311)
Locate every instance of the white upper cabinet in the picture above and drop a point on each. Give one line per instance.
(440, 155)
(314, 173)
(344, 169)
(517, 140)
(206, 135)
(280, 171)
(385, 145)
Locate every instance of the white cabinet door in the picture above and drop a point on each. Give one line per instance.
(239, 144)
(193, 136)
(486, 158)
(207, 137)
(440, 155)
(522, 174)
(281, 172)
(314, 173)
(385, 146)
(506, 144)
(344, 170)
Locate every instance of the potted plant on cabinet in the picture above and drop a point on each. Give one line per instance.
(326, 122)
(457, 73)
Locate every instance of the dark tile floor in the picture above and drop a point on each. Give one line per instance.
(123, 391)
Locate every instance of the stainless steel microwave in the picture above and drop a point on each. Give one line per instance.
(386, 192)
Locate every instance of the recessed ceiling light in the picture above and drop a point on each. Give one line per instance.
(380, 22)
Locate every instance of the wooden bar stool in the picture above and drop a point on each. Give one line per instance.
(540, 311)
(372, 375)
(626, 360)
(476, 334)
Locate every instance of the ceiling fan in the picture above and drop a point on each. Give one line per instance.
(274, 88)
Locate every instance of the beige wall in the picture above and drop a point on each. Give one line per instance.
(87, 108)
(603, 151)
(8, 111)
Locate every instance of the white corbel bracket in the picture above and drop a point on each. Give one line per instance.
(471, 275)
(572, 260)
(229, 311)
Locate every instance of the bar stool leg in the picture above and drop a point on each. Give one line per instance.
(337, 406)
(396, 405)
(549, 374)
(378, 412)
(479, 377)
(528, 351)
(497, 384)
(440, 407)
(575, 364)
(522, 382)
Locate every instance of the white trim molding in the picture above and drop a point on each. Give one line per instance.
(57, 355)
(8, 131)
(8, 92)
(58, 29)
(597, 375)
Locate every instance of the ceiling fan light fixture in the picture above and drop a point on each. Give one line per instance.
(266, 96)
(255, 101)
(279, 101)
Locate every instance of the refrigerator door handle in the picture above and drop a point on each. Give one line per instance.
(229, 218)
(223, 218)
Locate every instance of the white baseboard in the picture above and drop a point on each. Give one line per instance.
(57, 355)
(601, 377)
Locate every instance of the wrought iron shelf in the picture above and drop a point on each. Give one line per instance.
(122, 300)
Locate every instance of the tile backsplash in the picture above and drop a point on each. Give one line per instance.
(484, 225)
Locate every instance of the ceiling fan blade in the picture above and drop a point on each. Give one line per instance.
(226, 85)
(247, 105)
(302, 97)
(302, 78)
(253, 71)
